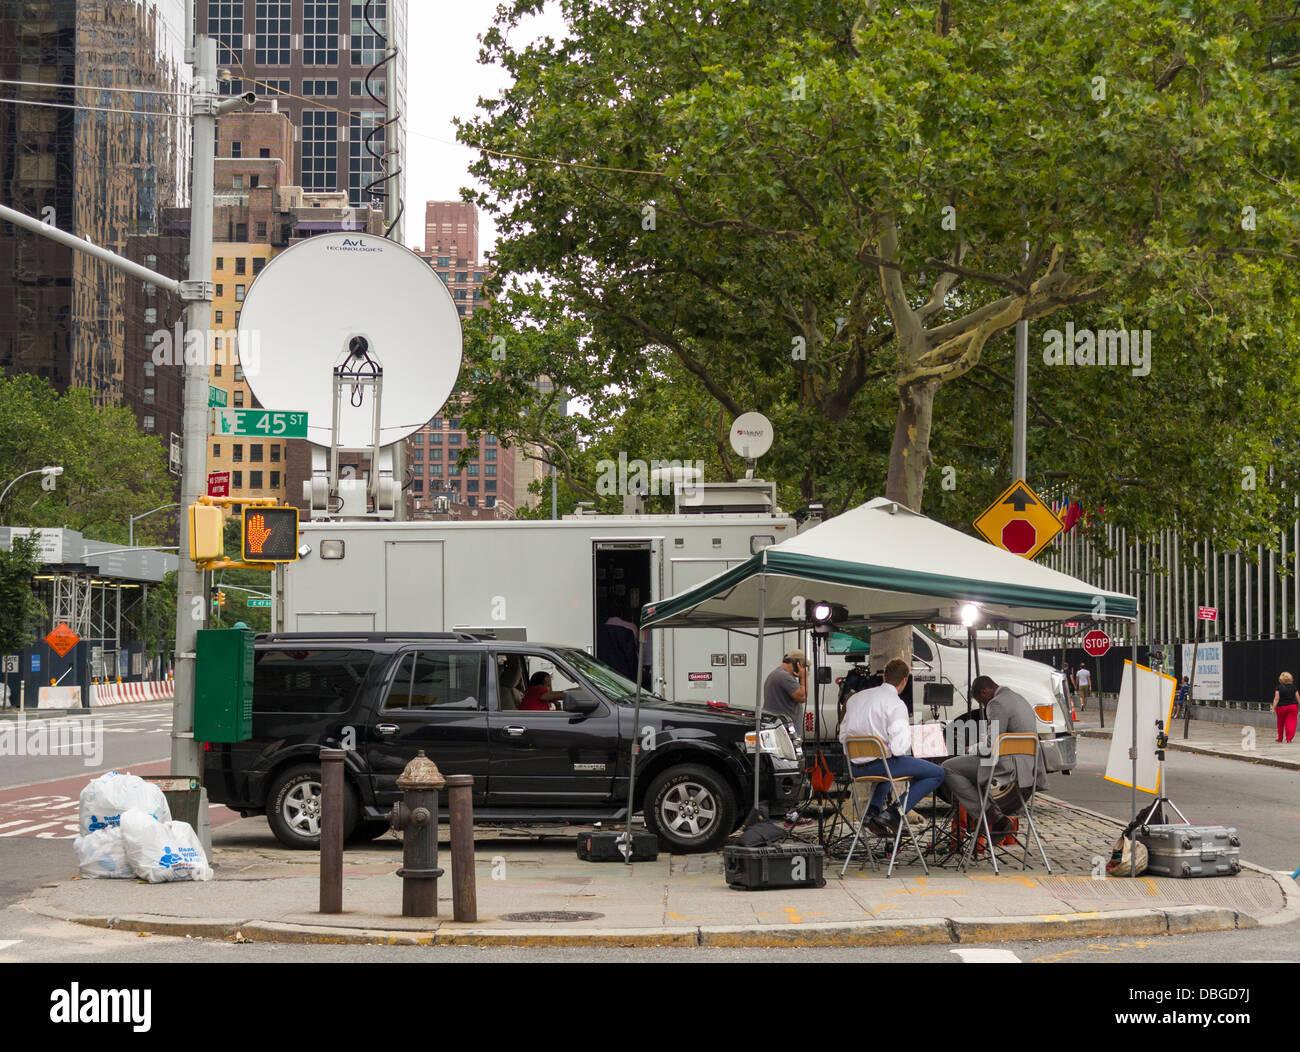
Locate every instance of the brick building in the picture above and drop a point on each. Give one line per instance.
(313, 58)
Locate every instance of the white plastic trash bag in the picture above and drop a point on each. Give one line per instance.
(103, 854)
(160, 852)
(105, 798)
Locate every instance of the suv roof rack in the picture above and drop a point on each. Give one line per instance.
(362, 637)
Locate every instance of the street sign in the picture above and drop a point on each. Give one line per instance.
(259, 602)
(255, 423)
(216, 396)
(1096, 643)
(62, 639)
(218, 483)
(11, 662)
(1207, 613)
(1019, 522)
(270, 535)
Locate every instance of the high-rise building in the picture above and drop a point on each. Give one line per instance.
(258, 212)
(485, 487)
(103, 161)
(314, 58)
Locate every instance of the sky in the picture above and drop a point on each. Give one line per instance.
(445, 81)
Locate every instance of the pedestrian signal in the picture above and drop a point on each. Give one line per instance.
(270, 535)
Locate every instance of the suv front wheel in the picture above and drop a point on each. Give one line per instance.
(690, 809)
(294, 808)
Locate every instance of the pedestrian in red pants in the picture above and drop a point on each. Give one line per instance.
(1286, 704)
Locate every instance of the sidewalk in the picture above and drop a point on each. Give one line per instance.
(1232, 741)
(537, 892)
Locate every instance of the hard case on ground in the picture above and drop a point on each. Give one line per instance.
(1179, 850)
(789, 865)
(603, 846)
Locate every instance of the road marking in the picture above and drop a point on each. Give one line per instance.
(986, 956)
(6, 943)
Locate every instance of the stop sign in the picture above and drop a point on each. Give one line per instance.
(1096, 643)
(1019, 536)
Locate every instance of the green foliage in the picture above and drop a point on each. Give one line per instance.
(21, 611)
(158, 622)
(819, 209)
(111, 469)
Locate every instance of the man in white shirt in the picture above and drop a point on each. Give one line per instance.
(880, 712)
(1084, 678)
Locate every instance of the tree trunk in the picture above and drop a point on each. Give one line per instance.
(909, 456)
(909, 459)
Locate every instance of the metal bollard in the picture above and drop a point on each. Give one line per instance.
(331, 831)
(460, 806)
(417, 817)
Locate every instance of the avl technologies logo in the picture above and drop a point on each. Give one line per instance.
(353, 244)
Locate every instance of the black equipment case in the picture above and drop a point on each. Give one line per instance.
(1179, 850)
(603, 846)
(789, 865)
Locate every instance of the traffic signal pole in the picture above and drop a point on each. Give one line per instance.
(191, 595)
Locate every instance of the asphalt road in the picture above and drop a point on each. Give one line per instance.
(1263, 803)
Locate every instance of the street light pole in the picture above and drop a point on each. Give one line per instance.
(130, 529)
(52, 471)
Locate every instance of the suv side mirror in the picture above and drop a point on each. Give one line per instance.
(582, 704)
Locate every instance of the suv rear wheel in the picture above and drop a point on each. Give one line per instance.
(690, 809)
(294, 808)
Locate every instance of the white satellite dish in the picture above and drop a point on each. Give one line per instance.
(751, 435)
(313, 302)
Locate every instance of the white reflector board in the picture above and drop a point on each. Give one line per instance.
(1155, 701)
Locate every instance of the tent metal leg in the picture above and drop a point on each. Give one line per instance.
(635, 746)
(758, 689)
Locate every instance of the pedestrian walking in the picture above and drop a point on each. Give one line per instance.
(1285, 706)
(1084, 678)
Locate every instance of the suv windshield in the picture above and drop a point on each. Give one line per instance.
(611, 684)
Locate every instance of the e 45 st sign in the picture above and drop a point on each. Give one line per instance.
(269, 535)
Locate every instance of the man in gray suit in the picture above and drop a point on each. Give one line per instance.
(1005, 712)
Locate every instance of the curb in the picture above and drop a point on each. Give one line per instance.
(1201, 750)
(1172, 920)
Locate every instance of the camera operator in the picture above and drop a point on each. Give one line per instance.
(786, 689)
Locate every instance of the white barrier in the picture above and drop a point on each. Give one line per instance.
(102, 694)
(59, 698)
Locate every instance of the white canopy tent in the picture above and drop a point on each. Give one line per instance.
(886, 565)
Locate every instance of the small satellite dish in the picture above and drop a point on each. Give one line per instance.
(751, 435)
(336, 299)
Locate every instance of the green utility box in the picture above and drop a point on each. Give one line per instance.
(223, 685)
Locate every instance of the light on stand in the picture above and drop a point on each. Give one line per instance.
(970, 614)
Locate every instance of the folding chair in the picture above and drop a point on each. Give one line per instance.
(863, 750)
(1017, 744)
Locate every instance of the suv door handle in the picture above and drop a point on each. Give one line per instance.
(386, 728)
(514, 732)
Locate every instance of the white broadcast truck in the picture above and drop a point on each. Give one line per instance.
(557, 581)
(553, 581)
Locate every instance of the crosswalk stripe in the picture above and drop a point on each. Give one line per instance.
(986, 956)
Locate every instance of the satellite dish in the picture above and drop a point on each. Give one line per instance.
(751, 435)
(328, 301)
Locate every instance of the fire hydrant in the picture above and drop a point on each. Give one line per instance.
(417, 817)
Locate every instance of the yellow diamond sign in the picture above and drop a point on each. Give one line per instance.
(1019, 522)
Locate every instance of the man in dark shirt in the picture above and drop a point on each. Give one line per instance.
(785, 689)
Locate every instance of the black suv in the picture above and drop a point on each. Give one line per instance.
(384, 696)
